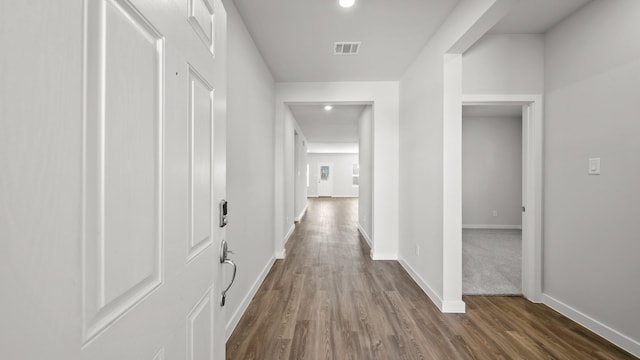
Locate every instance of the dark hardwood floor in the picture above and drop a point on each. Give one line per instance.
(329, 300)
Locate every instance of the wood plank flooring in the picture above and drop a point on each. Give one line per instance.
(329, 300)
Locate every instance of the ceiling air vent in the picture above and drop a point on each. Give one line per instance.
(346, 48)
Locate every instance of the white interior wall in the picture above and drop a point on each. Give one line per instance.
(342, 168)
(591, 241)
(365, 197)
(491, 172)
(432, 257)
(250, 173)
(384, 96)
(504, 64)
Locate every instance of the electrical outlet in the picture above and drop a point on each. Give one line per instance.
(495, 213)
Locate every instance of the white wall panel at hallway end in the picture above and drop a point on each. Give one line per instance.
(342, 171)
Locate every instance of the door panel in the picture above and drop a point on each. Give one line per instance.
(201, 117)
(200, 328)
(123, 164)
(202, 18)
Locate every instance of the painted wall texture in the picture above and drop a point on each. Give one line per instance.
(591, 243)
(491, 171)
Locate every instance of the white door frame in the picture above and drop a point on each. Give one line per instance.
(532, 145)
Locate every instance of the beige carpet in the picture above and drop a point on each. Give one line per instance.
(491, 262)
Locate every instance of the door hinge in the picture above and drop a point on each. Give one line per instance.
(523, 209)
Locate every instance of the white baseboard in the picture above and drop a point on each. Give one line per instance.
(281, 254)
(304, 211)
(423, 284)
(344, 196)
(383, 256)
(233, 322)
(312, 196)
(491, 226)
(454, 307)
(289, 233)
(365, 236)
(594, 325)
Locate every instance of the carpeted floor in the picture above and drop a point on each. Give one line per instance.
(491, 262)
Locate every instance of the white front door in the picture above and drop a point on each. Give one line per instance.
(131, 267)
(325, 179)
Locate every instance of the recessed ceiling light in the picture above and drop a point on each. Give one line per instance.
(346, 3)
(328, 107)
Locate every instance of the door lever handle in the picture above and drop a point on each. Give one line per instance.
(224, 259)
(233, 278)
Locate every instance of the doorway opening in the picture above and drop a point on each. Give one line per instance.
(331, 158)
(531, 207)
(492, 159)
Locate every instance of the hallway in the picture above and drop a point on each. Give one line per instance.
(329, 300)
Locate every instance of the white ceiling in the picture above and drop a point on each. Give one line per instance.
(339, 125)
(296, 36)
(536, 16)
(494, 111)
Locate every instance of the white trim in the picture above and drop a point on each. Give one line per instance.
(594, 325)
(365, 236)
(283, 253)
(383, 256)
(491, 226)
(433, 296)
(299, 217)
(452, 180)
(289, 233)
(532, 140)
(453, 307)
(237, 315)
(312, 196)
(280, 254)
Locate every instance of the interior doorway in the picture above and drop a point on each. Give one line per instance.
(532, 143)
(331, 156)
(492, 159)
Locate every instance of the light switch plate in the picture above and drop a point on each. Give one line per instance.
(594, 166)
